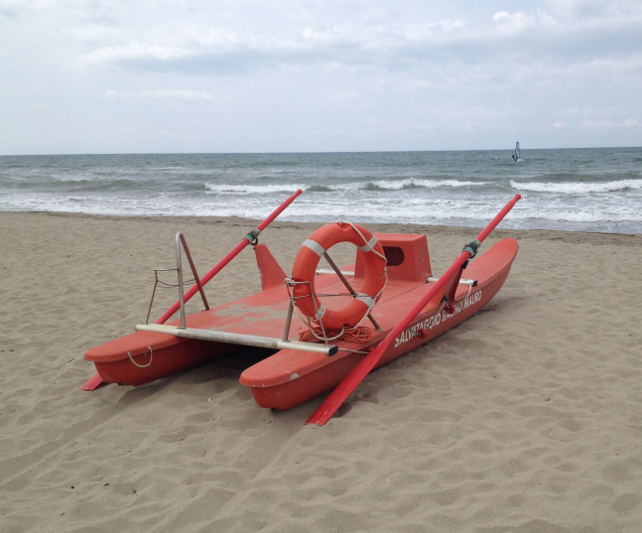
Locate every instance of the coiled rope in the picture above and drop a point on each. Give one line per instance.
(360, 334)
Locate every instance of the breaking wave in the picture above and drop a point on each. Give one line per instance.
(378, 185)
(579, 187)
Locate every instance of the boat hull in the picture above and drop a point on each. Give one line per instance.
(142, 357)
(288, 378)
(434, 322)
(157, 364)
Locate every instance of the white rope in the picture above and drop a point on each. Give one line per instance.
(364, 240)
(324, 338)
(151, 357)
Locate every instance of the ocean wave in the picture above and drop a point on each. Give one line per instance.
(587, 190)
(414, 183)
(228, 189)
(597, 216)
(578, 187)
(444, 214)
(378, 185)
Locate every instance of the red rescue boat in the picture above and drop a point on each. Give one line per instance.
(318, 326)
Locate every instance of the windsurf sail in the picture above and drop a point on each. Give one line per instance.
(516, 155)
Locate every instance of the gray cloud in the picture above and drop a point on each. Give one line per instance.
(318, 75)
(537, 37)
(161, 94)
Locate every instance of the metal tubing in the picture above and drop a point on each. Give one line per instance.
(179, 267)
(288, 320)
(472, 282)
(328, 271)
(236, 338)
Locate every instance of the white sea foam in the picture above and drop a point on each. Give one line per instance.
(427, 184)
(228, 189)
(579, 187)
(463, 189)
(392, 185)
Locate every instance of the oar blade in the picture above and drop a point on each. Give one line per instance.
(93, 383)
(339, 395)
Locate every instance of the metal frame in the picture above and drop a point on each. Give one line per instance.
(180, 239)
(290, 284)
(340, 274)
(347, 286)
(237, 338)
(241, 339)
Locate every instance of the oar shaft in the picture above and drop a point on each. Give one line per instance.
(358, 374)
(498, 218)
(219, 266)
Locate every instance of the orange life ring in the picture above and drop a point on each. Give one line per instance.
(305, 266)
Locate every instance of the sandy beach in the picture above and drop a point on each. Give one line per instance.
(527, 417)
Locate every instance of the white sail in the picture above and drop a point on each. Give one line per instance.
(516, 155)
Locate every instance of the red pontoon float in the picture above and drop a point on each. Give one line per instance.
(321, 329)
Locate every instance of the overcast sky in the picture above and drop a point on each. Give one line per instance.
(132, 76)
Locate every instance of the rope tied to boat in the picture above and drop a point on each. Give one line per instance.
(151, 358)
(360, 334)
(369, 245)
(164, 285)
(315, 333)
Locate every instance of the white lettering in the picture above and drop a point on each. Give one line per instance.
(436, 319)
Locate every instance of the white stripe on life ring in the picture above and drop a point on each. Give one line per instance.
(365, 298)
(315, 247)
(369, 246)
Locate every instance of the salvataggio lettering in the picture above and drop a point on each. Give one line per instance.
(442, 316)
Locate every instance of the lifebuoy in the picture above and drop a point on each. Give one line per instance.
(305, 266)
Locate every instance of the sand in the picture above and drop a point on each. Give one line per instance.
(527, 417)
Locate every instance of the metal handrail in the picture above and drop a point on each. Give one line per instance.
(180, 239)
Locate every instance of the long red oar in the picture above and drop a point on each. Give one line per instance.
(96, 380)
(358, 373)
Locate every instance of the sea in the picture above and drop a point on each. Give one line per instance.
(596, 189)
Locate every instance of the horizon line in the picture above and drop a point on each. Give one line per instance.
(312, 152)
